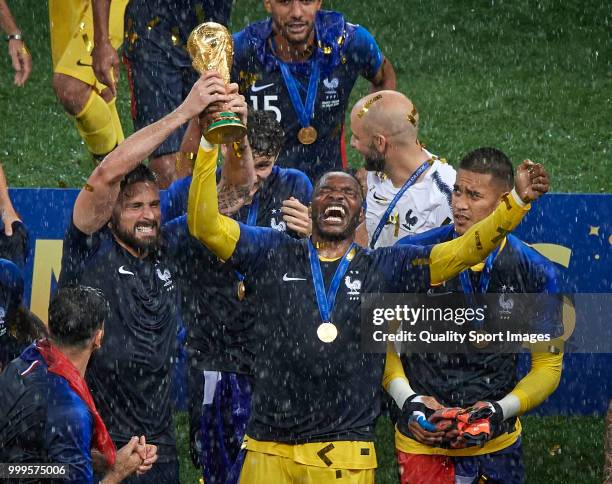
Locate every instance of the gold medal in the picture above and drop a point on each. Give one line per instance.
(241, 291)
(307, 135)
(327, 332)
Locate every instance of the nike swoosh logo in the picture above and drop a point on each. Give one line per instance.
(79, 63)
(125, 271)
(286, 278)
(379, 199)
(255, 88)
(431, 293)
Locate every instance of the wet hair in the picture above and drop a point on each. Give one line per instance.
(140, 174)
(264, 133)
(326, 175)
(75, 314)
(490, 161)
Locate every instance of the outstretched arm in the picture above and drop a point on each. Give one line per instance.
(450, 258)
(218, 232)
(95, 202)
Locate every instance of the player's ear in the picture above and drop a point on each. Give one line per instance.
(267, 6)
(98, 337)
(380, 142)
(502, 195)
(361, 215)
(224, 151)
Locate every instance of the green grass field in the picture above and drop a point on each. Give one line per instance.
(532, 78)
(559, 450)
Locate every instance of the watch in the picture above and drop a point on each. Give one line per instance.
(14, 37)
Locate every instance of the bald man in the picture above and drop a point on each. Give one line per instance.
(408, 188)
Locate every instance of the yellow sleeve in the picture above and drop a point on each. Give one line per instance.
(541, 381)
(205, 153)
(450, 258)
(393, 367)
(218, 232)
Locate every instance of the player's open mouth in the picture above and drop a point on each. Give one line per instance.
(334, 214)
(296, 28)
(460, 219)
(146, 229)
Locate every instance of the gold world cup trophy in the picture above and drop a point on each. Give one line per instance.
(211, 47)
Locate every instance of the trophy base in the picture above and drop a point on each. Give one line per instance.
(226, 128)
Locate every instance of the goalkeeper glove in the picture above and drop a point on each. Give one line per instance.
(419, 407)
(480, 422)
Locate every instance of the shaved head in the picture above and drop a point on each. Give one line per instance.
(381, 121)
(325, 177)
(387, 113)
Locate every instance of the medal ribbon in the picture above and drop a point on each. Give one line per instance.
(483, 282)
(252, 221)
(327, 300)
(485, 276)
(411, 181)
(306, 111)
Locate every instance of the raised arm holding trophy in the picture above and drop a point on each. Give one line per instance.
(211, 47)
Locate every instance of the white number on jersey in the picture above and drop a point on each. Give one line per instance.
(267, 104)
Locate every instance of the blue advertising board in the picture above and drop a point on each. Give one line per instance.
(575, 231)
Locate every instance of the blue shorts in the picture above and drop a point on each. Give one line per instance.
(224, 415)
(159, 69)
(504, 466)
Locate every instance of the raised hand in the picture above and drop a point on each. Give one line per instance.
(207, 91)
(530, 181)
(237, 104)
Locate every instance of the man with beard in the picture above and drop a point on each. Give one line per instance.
(484, 383)
(113, 243)
(301, 64)
(46, 410)
(316, 396)
(408, 189)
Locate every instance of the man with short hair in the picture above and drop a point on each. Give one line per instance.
(408, 188)
(301, 64)
(316, 394)
(48, 414)
(218, 305)
(483, 383)
(114, 243)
